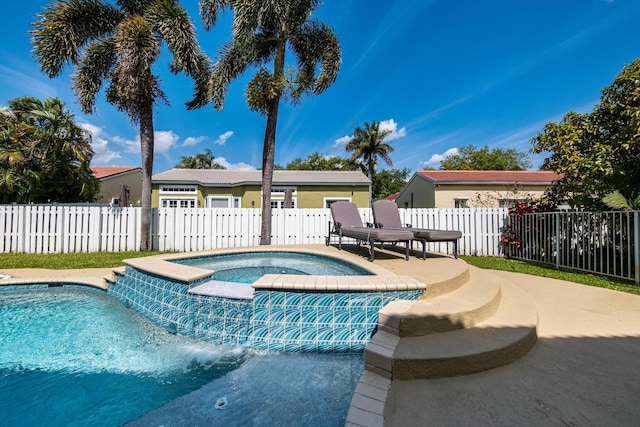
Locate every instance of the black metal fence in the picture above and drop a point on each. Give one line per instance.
(605, 243)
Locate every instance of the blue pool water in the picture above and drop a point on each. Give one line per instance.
(76, 356)
(250, 266)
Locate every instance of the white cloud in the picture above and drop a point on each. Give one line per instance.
(102, 154)
(234, 166)
(437, 158)
(385, 125)
(130, 145)
(391, 126)
(222, 139)
(164, 140)
(343, 141)
(193, 140)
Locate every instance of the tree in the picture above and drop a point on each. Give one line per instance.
(367, 145)
(44, 154)
(387, 182)
(472, 158)
(264, 31)
(204, 160)
(597, 153)
(119, 44)
(318, 162)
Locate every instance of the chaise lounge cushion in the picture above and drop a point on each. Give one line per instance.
(387, 217)
(348, 223)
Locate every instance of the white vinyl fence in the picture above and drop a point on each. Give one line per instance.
(51, 228)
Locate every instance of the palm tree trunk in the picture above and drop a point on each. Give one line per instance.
(268, 159)
(269, 147)
(146, 149)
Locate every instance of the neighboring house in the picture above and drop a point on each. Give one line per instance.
(242, 189)
(392, 197)
(111, 177)
(461, 189)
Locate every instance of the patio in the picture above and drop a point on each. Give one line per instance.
(583, 370)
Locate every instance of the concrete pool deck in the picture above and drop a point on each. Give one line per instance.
(584, 369)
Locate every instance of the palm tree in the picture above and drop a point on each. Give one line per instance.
(118, 44)
(264, 31)
(367, 145)
(204, 160)
(616, 200)
(44, 154)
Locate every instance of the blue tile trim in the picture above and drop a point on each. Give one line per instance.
(309, 321)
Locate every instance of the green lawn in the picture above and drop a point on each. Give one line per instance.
(69, 261)
(114, 259)
(495, 263)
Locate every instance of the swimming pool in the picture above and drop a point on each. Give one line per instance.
(76, 356)
(248, 267)
(282, 312)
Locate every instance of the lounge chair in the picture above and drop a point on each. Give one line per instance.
(347, 223)
(387, 217)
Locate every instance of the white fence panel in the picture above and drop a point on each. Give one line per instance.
(45, 228)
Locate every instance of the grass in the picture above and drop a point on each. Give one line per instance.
(114, 259)
(69, 261)
(495, 263)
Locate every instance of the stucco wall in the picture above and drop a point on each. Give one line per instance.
(484, 196)
(110, 187)
(306, 196)
(417, 194)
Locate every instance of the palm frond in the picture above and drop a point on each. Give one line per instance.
(172, 22)
(65, 27)
(99, 60)
(133, 87)
(235, 58)
(209, 11)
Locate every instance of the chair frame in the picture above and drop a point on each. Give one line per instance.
(422, 235)
(362, 233)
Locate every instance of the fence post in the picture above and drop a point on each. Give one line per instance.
(557, 217)
(636, 245)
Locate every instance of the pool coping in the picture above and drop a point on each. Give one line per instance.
(90, 281)
(380, 280)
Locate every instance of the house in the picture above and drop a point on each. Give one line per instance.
(216, 188)
(393, 196)
(461, 189)
(112, 177)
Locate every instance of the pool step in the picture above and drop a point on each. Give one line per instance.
(460, 309)
(472, 344)
(222, 289)
(111, 278)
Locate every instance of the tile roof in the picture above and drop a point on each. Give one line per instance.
(225, 178)
(451, 177)
(101, 172)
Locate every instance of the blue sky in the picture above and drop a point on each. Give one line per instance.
(439, 74)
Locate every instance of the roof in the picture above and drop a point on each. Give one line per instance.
(102, 172)
(230, 178)
(489, 177)
(393, 196)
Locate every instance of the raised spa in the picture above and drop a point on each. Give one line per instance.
(310, 312)
(248, 267)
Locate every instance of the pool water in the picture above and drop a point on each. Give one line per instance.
(76, 356)
(250, 266)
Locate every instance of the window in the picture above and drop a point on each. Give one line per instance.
(224, 202)
(279, 191)
(509, 203)
(278, 196)
(279, 203)
(460, 203)
(188, 189)
(166, 202)
(329, 200)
